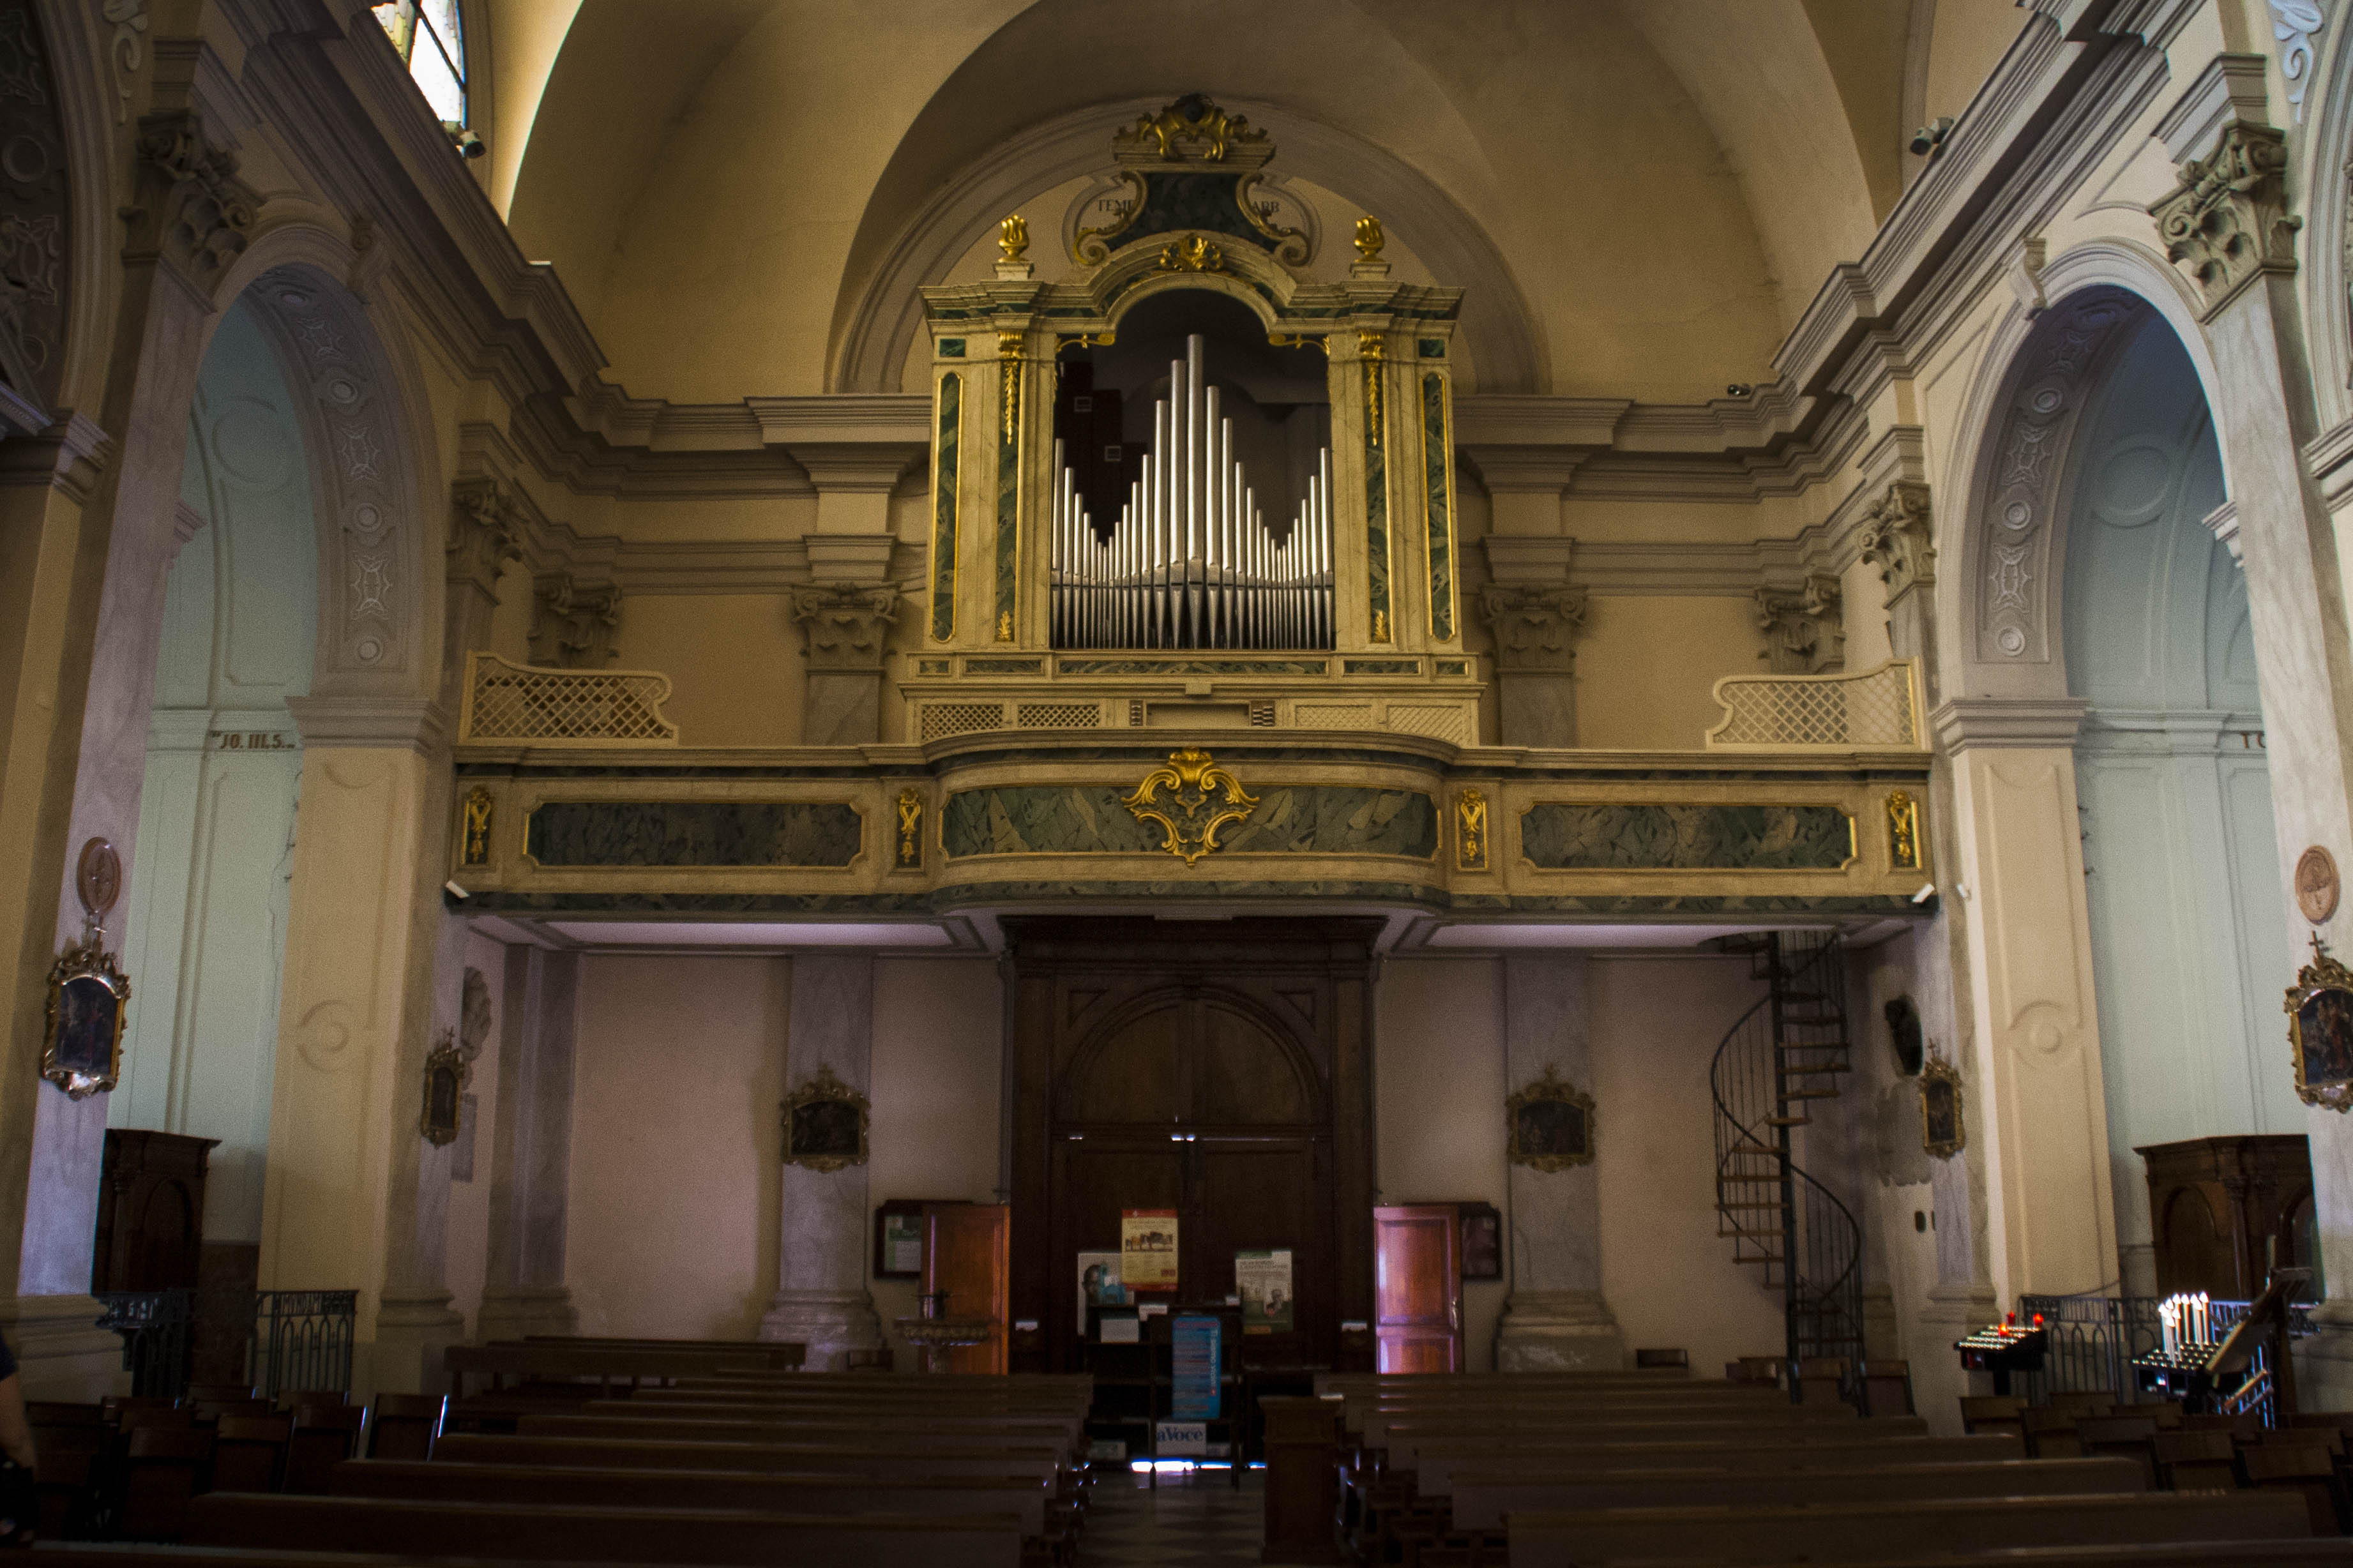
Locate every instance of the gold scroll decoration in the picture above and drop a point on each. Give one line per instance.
(476, 825)
(1903, 831)
(1200, 798)
(1470, 831)
(911, 830)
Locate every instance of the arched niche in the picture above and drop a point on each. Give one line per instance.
(1191, 1057)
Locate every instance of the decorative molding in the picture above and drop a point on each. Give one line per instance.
(844, 625)
(1899, 538)
(2228, 223)
(572, 625)
(2233, 88)
(484, 532)
(2294, 23)
(197, 214)
(1533, 624)
(1966, 723)
(128, 48)
(1804, 627)
(2223, 523)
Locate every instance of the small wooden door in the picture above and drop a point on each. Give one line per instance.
(1418, 1288)
(967, 1253)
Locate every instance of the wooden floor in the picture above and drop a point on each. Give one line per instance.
(1199, 1520)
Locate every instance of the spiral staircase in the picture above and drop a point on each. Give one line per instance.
(1787, 1052)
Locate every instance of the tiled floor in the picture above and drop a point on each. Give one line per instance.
(1189, 1521)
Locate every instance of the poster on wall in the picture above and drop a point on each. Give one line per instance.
(1098, 1284)
(1148, 1249)
(1195, 1354)
(1264, 1280)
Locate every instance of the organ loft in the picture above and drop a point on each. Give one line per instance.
(1044, 782)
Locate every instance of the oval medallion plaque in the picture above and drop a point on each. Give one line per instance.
(98, 878)
(2316, 884)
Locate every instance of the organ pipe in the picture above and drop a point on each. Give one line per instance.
(1191, 562)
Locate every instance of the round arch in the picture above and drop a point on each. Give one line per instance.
(1119, 1027)
(2004, 558)
(877, 316)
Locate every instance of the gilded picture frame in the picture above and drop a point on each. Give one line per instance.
(1549, 1125)
(825, 1124)
(2320, 1031)
(81, 1038)
(1944, 1126)
(446, 1073)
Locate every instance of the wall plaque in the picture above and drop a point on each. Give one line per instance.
(825, 1124)
(2316, 886)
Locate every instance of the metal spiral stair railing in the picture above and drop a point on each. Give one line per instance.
(1785, 1052)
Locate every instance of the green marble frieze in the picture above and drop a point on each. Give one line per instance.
(1090, 819)
(1614, 836)
(1191, 666)
(666, 834)
(1438, 498)
(943, 506)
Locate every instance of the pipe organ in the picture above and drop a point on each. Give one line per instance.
(1254, 523)
(1191, 561)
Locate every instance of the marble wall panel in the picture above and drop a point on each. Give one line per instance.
(1557, 835)
(1090, 819)
(651, 833)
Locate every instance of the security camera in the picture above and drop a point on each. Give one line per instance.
(1931, 136)
(1737, 389)
(469, 144)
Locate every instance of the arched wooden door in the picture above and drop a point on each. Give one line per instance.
(1211, 1072)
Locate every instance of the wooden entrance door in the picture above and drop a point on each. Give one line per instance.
(1418, 1288)
(967, 1253)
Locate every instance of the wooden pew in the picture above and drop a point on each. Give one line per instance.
(893, 1492)
(1380, 1426)
(604, 1534)
(606, 1364)
(1436, 1465)
(1404, 1442)
(1899, 1532)
(869, 1456)
(1483, 1499)
(947, 1433)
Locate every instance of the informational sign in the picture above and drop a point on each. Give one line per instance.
(1148, 1249)
(1098, 1284)
(903, 1243)
(1180, 1439)
(1195, 1343)
(1263, 1280)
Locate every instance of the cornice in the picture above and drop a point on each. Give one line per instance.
(1965, 723)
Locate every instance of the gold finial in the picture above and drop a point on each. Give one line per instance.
(1013, 237)
(1369, 239)
(1005, 627)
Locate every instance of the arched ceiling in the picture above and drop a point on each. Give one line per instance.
(1649, 190)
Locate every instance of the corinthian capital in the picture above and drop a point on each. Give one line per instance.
(2228, 220)
(1533, 624)
(1804, 627)
(483, 530)
(194, 211)
(1896, 537)
(846, 626)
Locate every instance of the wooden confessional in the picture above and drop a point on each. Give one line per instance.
(1221, 1068)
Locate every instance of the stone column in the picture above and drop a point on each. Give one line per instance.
(1556, 1320)
(523, 1290)
(821, 1298)
(2228, 226)
(846, 632)
(1534, 615)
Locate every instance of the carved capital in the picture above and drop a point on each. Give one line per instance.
(483, 530)
(1534, 625)
(572, 625)
(193, 210)
(1897, 538)
(2228, 222)
(1804, 627)
(847, 626)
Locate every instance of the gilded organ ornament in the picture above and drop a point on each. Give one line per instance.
(1369, 239)
(1013, 237)
(911, 830)
(1199, 799)
(475, 828)
(1903, 831)
(1471, 830)
(1194, 253)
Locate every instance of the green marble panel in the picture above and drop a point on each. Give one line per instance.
(1193, 666)
(1432, 348)
(1009, 500)
(935, 667)
(1089, 819)
(944, 509)
(1619, 836)
(1179, 201)
(650, 834)
(1381, 666)
(1437, 448)
(1003, 666)
(1453, 667)
(1376, 534)
(952, 348)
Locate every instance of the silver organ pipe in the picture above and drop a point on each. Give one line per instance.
(1191, 562)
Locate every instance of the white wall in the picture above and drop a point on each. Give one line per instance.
(206, 910)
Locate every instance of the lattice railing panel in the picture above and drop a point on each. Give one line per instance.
(1450, 722)
(522, 702)
(1875, 710)
(941, 720)
(1058, 715)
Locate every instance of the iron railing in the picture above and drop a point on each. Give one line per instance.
(281, 1340)
(2093, 1339)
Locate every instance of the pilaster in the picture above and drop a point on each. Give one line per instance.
(845, 632)
(1534, 614)
(523, 1289)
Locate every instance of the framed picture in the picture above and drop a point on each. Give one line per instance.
(81, 1045)
(1549, 1125)
(1943, 1131)
(898, 1236)
(1483, 1240)
(2320, 1029)
(446, 1073)
(825, 1124)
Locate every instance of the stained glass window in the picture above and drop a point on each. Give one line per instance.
(431, 38)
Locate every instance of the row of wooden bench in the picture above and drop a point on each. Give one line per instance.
(1583, 1469)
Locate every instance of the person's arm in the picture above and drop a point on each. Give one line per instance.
(15, 1432)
